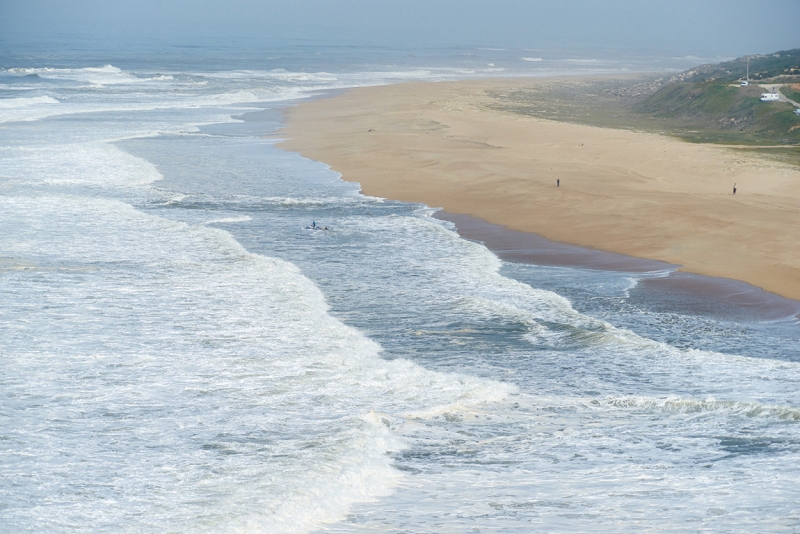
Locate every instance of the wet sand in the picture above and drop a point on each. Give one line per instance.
(629, 193)
(526, 247)
(676, 291)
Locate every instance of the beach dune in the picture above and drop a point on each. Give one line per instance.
(645, 195)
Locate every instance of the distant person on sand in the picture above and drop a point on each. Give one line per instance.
(558, 182)
(734, 189)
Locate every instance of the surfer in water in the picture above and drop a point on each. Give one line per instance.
(315, 226)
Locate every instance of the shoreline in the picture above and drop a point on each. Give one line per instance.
(692, 293)
(635, 194)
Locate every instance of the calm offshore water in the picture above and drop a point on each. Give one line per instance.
(179, 353)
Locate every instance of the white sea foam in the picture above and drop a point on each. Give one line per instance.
(272, 345)
(688, 405)
(27, 108)
(243, 218)
(24, 102)
(98, 164)
(37, 111)
(107, 75)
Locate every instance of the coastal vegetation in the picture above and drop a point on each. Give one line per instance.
(710, 111)
(705, 104)
(778, 67)
(792, 92)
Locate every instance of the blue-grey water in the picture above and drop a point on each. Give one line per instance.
(179, 353)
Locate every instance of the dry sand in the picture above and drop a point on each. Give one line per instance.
(626, 192)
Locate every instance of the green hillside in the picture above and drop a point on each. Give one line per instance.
(780, 67)
(707, 104)
(791, 92)
(711, 111)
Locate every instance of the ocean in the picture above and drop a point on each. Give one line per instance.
(182, 353)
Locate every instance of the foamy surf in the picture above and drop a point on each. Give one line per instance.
(280, 348)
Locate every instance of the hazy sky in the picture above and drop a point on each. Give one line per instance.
(701, 27)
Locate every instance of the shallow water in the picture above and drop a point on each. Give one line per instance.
(181, 353)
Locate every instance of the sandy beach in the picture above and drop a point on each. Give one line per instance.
(640, 194)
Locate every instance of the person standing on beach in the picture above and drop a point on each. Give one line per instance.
(558, 182)
(734, 189)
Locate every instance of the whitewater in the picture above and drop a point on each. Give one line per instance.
(180, 353)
